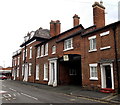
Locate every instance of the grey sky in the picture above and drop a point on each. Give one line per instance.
(17, 17)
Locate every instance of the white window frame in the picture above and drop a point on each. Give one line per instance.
(22, 69)
(42, 51)
(95, 77)
(37, 72)
(53, 49)
(46, 49)
(45, 72)
(30, 52)
(91, 44)
(15, 61)
(23, 55)
(30, 69)
(38, 52)
(68, 44)
(17, 71)
(18, 60)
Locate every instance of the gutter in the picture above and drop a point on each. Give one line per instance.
(116, 57)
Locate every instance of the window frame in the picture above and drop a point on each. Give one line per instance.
(42, 51)
(30, 69)
(68, 44)
(38, 52)
(30, 53)
(45, 72)
(92, 47)
(53, 49)
(46, 49)
(37, 72)
(95, 77)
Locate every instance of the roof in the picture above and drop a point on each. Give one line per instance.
(39, 35)
(80, 25)
(98, 29)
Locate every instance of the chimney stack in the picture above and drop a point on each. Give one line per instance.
(55, 28)
(76, 20)
(98, 14)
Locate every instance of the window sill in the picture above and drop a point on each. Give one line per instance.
(94, 50)
(45, 79)
(41, 56)
(95, 79)
(45, 55)
(68, 49)
(105, 48)
(53, 53)
(38, 57)
(30, 58)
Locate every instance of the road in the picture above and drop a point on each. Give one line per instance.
(15, 92)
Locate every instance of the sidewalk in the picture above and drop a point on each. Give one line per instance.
(79, 92)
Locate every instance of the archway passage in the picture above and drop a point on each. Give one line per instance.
(70, 70)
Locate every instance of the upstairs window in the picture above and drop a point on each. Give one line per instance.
(92, 41)
(18, 60)
(46, 49)
(37, 72)
(23, 55)
(30, 52)
(38, 52)
(68, 44)
(42, 50)
(53, 49)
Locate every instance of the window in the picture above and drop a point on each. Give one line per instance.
(37, 72)
(53, 49)
(26, 53)
(68, 44)
(18, 72)
(30, 69)
(93, 72)
(42, 50)
(15, 61)
(46, 49)
(30, 52)
(22, 69)
(23, 55)
(46, 71)
(92, 41)
(72, 72)
(18, 60)
(38, 52)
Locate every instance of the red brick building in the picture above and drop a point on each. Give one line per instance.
(88, 57)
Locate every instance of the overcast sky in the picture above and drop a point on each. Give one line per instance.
(18, 17)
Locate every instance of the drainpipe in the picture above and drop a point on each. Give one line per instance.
(116, 57)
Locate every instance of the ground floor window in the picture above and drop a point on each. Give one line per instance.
(30, 69)
(18, 72)
(37, 72)
(93, 72)
(46, 71)
(22, 69)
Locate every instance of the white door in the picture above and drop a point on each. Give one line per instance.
(26, 73)
(53, 73)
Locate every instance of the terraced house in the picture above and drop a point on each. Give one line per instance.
(88, 57)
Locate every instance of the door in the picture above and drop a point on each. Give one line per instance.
(108, 76)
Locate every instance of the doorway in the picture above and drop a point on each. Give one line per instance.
(107, 80)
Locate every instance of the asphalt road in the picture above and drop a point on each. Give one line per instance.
(15, 92)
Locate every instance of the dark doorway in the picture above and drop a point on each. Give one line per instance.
(70, 71)
(108, 76)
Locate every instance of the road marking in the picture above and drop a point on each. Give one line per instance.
(1, 92)
(7, 95)
(29, 96)
(13, 89)
(14, 95)
(18, 94)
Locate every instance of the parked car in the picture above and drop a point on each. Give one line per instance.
(3, 77)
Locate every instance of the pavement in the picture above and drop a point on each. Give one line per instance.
(77, 91)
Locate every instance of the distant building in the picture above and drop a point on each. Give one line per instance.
(6, 71)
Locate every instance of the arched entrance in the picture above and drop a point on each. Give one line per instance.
(70, 70)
